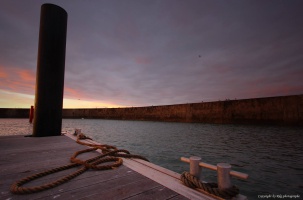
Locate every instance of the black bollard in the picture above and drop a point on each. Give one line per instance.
(50, 71)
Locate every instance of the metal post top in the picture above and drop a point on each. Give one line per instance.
(224, 165)
(195, 158)
(53, 6)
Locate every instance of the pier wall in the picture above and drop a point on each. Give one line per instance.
(14, 112)
(286, 110)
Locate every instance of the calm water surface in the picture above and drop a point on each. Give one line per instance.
(271, 155)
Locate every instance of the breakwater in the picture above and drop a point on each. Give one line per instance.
(284, 110)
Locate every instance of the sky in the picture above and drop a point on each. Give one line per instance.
(148, 52)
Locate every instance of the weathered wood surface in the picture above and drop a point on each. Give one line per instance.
(163, 176)
(23, 156)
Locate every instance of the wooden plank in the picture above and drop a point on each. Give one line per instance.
(15, 158)
(125, 191)
(159, 168)
(25, 144)
(164, 179)
(90, 173)
(20, 156)
(81, 187)
(110, 189)
(19, 168)
(160, 192)
(159, 174)
(178, 197)
(30, 145)
(45, 154)
(48, 152)
(48, 156)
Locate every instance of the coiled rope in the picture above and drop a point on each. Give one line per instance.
(211, 188)
(110, 154)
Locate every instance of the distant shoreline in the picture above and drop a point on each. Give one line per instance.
(282, 110)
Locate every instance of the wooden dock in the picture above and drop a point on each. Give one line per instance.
(23, 156)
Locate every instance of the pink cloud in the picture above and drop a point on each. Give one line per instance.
(72, 93)
(142, 60)
(26, 75)
(274, 90)
(15, 79)
(3, 73)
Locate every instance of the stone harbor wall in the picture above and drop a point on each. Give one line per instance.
(285, 110)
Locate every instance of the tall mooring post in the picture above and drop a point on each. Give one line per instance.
(50, 71)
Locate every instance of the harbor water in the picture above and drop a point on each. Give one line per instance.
(271, 155)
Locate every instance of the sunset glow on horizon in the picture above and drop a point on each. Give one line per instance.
(19, 100)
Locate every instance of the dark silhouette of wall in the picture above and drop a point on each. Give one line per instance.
(14, 113)
(286, 110)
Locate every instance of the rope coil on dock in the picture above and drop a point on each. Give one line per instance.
(110, 154)
(211, 188)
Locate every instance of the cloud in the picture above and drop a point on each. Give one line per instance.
(3, 74)
(161, 52)
(17, 80)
